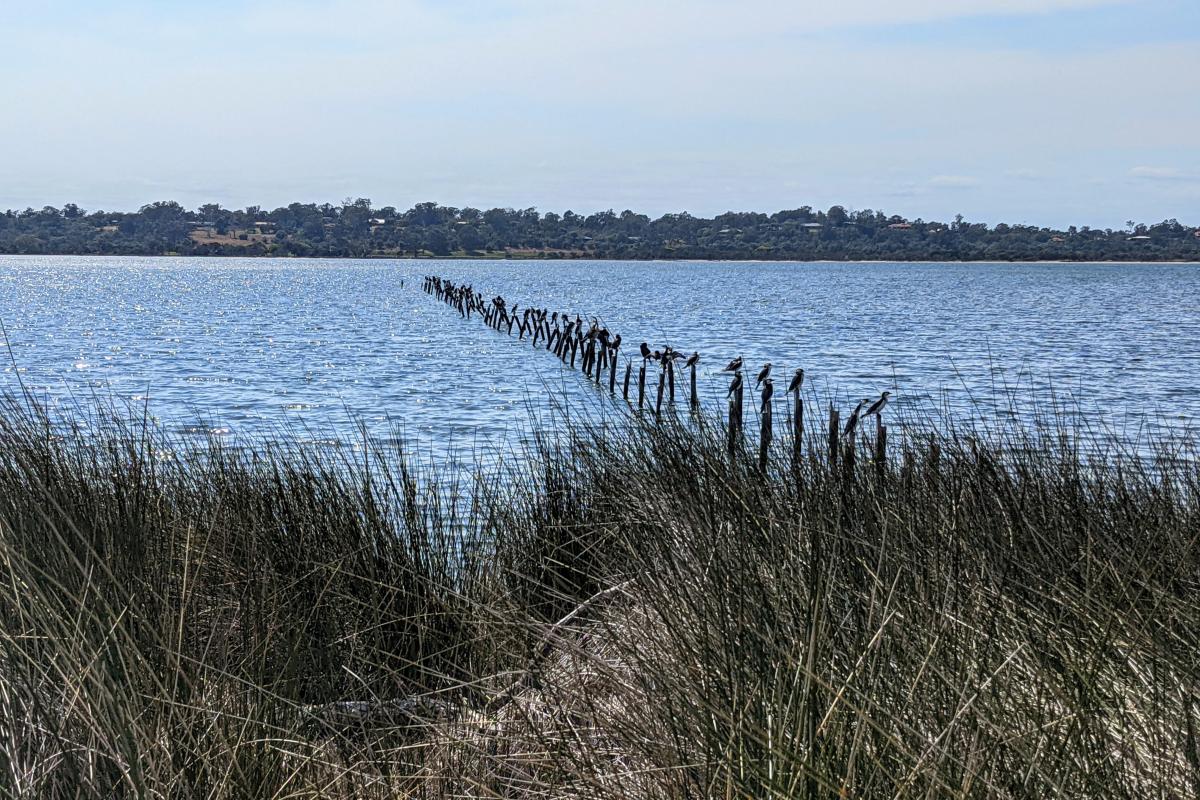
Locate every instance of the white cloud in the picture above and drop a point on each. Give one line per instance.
(953, 182)
(1160, 174)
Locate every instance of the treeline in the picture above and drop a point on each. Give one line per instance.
(358, 229)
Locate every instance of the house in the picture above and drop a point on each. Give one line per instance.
(1139, 239)
(900, 226)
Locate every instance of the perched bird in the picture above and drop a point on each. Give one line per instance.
(767, 393)
(735, 385)
(645, 350)
(797, 381)
(852, 423)
(676, 355)
(616, 343)
(877, 407)
(763, 373)
(694, 360)
(656, 356)
(734, 365)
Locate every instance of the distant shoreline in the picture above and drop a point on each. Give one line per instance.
(358, 229)
(523, 258)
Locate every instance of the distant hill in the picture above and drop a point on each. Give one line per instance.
(358, 229)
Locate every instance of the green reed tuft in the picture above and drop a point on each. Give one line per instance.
(619, 613)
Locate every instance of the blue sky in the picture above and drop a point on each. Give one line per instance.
(1043, 111)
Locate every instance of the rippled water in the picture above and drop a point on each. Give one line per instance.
(310, 349)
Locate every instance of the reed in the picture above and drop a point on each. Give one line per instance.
(622, 612)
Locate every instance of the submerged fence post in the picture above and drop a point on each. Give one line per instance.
(695, 399)
(612, 374)
(628, 370)
(671, 379)
(833, 438)
(642, 384)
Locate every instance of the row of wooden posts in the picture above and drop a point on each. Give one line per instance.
(567, 338)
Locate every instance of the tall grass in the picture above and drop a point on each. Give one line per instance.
(624, 614)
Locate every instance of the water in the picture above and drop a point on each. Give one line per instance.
(312, 350)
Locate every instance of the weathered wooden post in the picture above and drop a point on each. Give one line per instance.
(850, 455)
(765, 432)
(732, 429)
(735, 416)
(574, 350)
(880, 450)
(671, 379)
(628, 370)
(642, 384)
(797, 432)
(612, 374)
(833, 438)
(695, 399)
(662, 375)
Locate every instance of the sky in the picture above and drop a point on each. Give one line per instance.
(1047, 112)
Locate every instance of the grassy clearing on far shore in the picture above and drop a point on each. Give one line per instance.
(625, 614)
